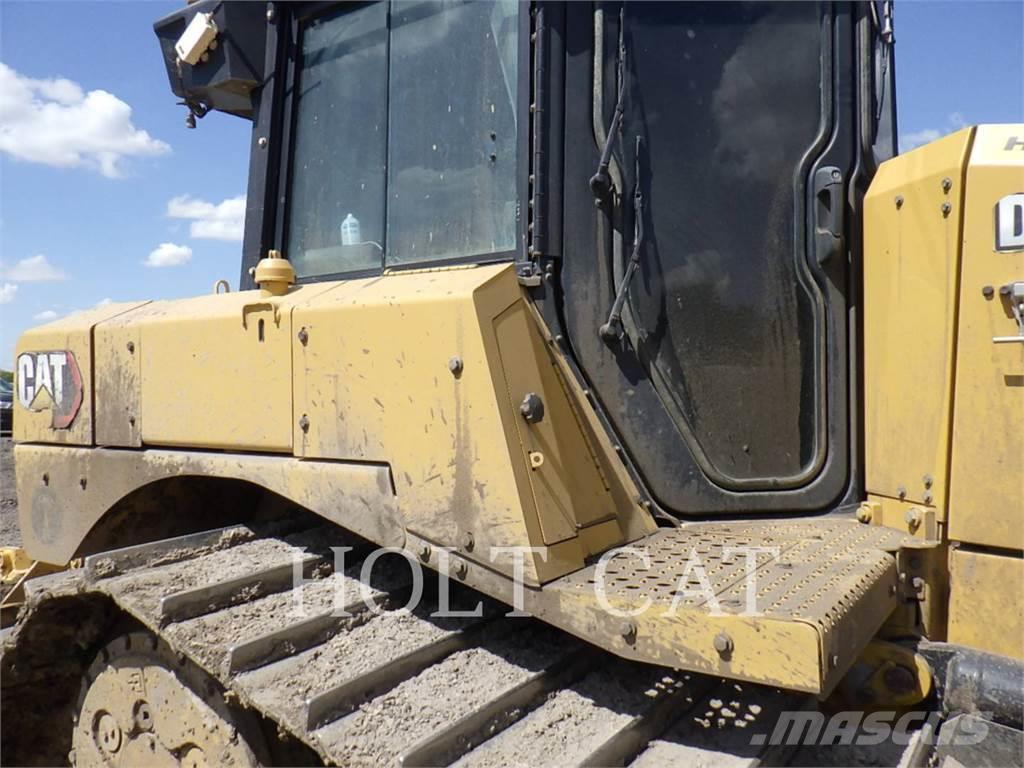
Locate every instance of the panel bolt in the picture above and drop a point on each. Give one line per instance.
(628, 631)
(901, 491)
(467, 541)
(262, 142)
(917, 583)
(131, 421)
(899, 201)
(455, 366)
(947, 184)
(988, 291)
(131, 347)
(304, 423)
(461, 569)
(270, 14)
(928, 497)
(424, 551)
(913, 518)
(83, 482)
(532, 408)
(723, 644)
(946, 208)
(927, 480)
(46, 478)
(864, 513)
(303, 336)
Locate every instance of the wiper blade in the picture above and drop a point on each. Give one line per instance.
(611, 331)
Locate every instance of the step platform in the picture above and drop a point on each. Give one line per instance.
(789, 604)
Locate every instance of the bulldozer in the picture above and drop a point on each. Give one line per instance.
(600, 387)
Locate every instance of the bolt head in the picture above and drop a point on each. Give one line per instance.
(461, 569)
(927, 480)
(424, 551)
(304, 423)
(627, 630)
(131, 347)
(901, 491)
(946, 208)
(532, 408)
(455, 365)
(723, 643)
(303, 336)
(262, 142)
(864, 513)
(467, 541)
(913, 518)
(947, 184)
(899, 201)
(988, 291)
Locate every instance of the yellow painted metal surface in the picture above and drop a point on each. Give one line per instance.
(55, 514)
(425, 371)
(911, 280)
(72, 334)
(568, 488)
(915, 519)
(216, 370)
(118, 382)
(987, 484)
(985, 610)
(215, 373)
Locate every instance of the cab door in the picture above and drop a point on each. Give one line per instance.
(738, 148)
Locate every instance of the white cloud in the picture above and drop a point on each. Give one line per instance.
(45, 316)
(34, 269)
(954, 122)
(168, 255)
(910, 140)
(56, 123)
(104, 302)
(210, 221)
(7, 291)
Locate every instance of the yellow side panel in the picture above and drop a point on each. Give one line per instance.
(911, 263)
(216, 370)
(33, 401)
(373, 382)
(118, 383)
(987, 485)
(983, 610)
(567, 485)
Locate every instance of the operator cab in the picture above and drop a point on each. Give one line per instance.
(678, 184)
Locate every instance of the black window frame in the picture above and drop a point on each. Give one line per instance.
(283, 115)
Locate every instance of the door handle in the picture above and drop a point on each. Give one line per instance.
(1014, 292)
(829, 213)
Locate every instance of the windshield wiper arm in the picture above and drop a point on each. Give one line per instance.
(601, 182)
(611, 330)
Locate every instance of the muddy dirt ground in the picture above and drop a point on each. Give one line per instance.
(9, 533)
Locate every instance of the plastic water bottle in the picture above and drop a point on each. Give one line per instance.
(350, 231)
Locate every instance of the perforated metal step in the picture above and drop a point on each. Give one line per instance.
(784, 603)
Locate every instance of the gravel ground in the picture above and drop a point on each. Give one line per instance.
(9, 533)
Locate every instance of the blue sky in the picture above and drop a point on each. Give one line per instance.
(105, 195)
